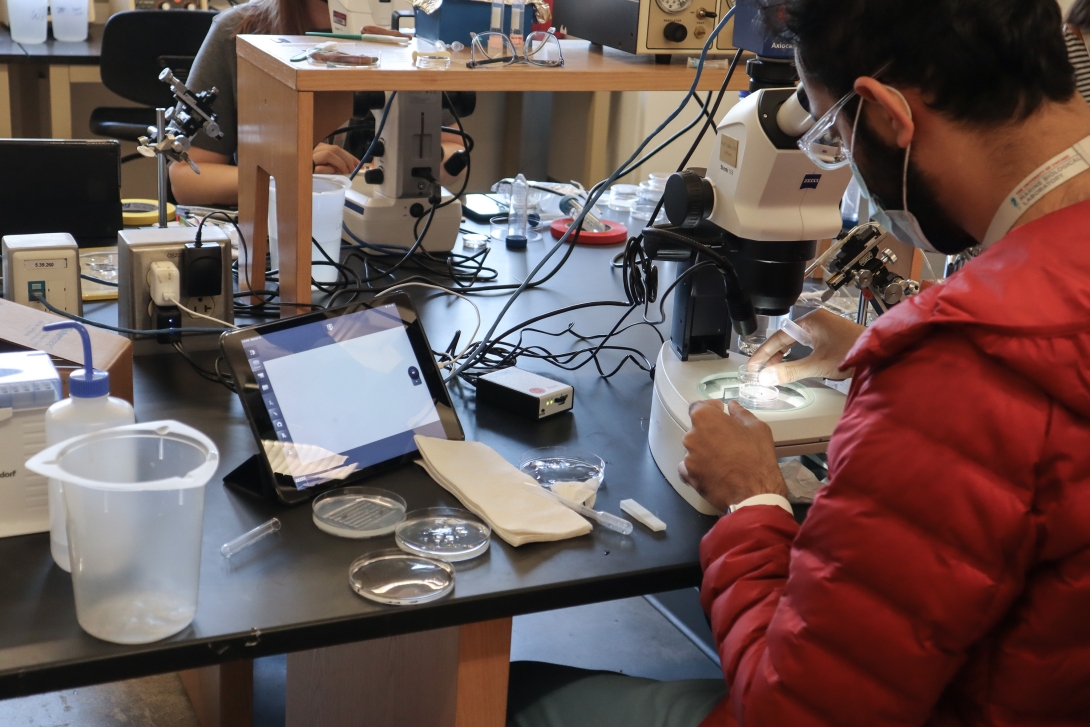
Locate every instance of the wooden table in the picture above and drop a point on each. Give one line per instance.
(286, 108)
(68, 63)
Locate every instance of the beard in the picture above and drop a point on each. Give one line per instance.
(883, 168)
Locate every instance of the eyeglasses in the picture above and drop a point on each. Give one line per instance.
(823, 143)
(540, 48)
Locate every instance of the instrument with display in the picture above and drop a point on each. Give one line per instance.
(659, 27)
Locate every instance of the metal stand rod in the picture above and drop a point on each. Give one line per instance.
(161, 161)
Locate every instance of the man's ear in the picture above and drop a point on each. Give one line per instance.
(894, 111)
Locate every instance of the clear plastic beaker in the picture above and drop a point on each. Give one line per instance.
(29, 20)
(69, 20)
(326, 219)
(135, 500)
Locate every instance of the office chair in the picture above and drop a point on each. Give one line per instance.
(136, 46)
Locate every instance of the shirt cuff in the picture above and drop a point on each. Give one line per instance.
(768, 499)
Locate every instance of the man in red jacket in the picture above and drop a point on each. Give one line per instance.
(943, 575)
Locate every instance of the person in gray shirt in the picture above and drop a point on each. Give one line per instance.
(216, 65)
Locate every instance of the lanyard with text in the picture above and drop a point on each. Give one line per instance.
(1047, 177)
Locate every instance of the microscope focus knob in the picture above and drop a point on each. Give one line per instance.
(888, 257)
(374, 176)
(687, 199)
(675, 32)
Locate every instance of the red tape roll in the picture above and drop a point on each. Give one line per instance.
(616, 234)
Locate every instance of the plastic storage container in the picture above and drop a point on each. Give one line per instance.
(29, 384)
(327, 217)
(135, 499)
(90, 408)
(69, 20)
(29, 20)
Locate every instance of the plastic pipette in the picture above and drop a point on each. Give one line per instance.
(249, 538)
(605, 519)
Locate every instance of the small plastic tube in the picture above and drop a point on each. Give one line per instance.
(518, 12)
(247, 539)
(797, 332)
(495, 42)
(518, 216)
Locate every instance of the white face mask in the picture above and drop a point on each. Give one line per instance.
(901, 223)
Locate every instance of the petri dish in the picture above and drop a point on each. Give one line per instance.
(358, 512)
(727, 386)
(549, 465)
(751, 392)
(400, 579)
(474, 241)
(446, 533)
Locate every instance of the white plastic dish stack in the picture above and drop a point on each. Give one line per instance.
(135, 499)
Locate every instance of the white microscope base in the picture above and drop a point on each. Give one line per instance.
(382, 220)
(804, 431)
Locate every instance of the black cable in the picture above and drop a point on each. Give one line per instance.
(349, 128)
(370, 153)
(116, 329)
(215, 377)
(577, 223)
(468, 142)
(100, 281)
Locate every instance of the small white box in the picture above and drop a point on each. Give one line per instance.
(29, 384)
(45, 265)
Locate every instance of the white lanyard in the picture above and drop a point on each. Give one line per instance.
(1047, 177)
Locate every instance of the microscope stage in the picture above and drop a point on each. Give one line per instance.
(802, 415)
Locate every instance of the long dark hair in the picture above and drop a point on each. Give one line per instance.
(1079, 14)
(275, 17)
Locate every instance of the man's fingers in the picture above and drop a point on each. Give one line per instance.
(715, 405)
(684, 472)
(788, 371)
(739, 412)
(778, 342)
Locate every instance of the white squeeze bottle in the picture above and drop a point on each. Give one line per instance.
(89, 408)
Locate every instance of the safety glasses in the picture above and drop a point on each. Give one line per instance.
(496, 50)
(823, 143)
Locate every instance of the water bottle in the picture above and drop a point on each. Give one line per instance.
(89, 408)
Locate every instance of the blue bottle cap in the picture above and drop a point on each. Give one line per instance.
(89, 383)
(516, 242)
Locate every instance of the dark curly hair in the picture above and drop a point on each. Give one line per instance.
(986, 62)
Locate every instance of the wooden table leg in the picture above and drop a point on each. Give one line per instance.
(454, 677)
(222, 695)
(277, 130)
(60, 102)
(5, 102)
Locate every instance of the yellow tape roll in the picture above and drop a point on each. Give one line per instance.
(143, 212)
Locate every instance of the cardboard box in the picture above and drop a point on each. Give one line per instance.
(21, 330)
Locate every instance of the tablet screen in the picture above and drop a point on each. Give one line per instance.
(342, 394)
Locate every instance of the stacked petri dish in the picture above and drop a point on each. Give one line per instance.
(621, 197)
(650, 192)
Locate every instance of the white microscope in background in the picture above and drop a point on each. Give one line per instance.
(386, 203)
(349, 16)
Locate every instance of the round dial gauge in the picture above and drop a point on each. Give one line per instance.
(673, 6)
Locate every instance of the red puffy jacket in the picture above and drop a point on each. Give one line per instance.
(943, 575)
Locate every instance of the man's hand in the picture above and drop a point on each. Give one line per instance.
(833, 339)
(730, 456)
(329, 159)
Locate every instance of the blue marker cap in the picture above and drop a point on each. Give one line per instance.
(89, 383)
